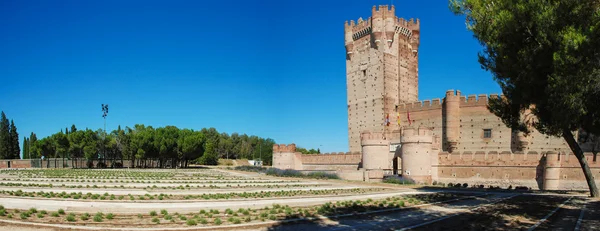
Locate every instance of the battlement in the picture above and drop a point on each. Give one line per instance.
(361, 28)
(476, 100)
(366, 135)
(284, 148)
(424, 105)
(417, 135)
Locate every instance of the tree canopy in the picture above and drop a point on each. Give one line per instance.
(545, 55)
(9, 139)
(142, 142)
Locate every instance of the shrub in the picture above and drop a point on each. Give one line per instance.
(322, 175)
(55, 214)
(203, 221)
(155, 220)
(250, 168)
(24, 215)
(394, 180)
(97, 218)
(191, 222)
(152, 213)
(110, 216)
(101, 165)
(2, 212)
(39, 215)
(218, 221)
(61, 211)
(70, 218)
(164, 212)
(465, 185)
(85, 216)
(33, 210)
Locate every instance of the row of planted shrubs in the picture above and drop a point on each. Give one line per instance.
(287, 172)
(465, 185)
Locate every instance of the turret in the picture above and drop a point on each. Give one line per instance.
(452, 120)
(284, 156)
(375, 151)
(416, 151)
(552, 171)
(349, 41)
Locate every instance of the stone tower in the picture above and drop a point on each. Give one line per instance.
(381, 70)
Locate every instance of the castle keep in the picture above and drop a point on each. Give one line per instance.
(454, 139)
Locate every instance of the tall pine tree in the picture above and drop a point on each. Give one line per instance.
(33, 146)
(4, 136)
(25, 148)
(14, 141)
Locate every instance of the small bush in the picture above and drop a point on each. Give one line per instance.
(70, 218)
(218, 221)
(203, 221)
(155, 220)
(97, 218)
(39, 215)
(61, 211)
(250, 168)
(55, 214)
(191, 222)
(153, 213)
(24, 215)
(85, 216)
(110, 216)
(394, 180)
(164, 212)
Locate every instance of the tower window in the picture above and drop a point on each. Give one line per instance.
(487, 133)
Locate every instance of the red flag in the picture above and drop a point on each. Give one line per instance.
(408, 115)
(387, 120)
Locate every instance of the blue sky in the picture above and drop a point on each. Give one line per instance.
(268, 68)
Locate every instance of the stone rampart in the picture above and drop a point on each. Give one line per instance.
(548, 170)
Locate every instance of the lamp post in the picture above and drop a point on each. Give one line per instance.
(104, 114)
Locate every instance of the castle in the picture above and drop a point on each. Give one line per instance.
(451, 140)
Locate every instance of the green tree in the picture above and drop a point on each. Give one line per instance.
(34, 151)
(14, 141)
(210, 156)
(545, 56)
(25, 148)
(4, 137)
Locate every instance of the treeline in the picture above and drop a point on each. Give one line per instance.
(205, 146)
(308, 151)
(9, 139)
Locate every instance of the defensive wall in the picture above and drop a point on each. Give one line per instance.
(538, 170)
(345, 165)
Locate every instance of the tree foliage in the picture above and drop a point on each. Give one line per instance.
(143, 142)
(9, 139)
(545, 55)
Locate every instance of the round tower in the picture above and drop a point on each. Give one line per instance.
(416, 154)
(452, 120)
(552, 171)
(375, 151)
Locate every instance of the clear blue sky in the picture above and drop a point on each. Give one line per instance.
(268, 68)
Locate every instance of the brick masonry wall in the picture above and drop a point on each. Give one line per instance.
(504, 169)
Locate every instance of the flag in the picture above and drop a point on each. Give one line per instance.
(398, 117)
(387, 119)
(408, 116)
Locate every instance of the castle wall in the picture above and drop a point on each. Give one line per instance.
(535, 170)
(472, 117)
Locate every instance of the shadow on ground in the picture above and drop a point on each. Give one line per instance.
(517, 213)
